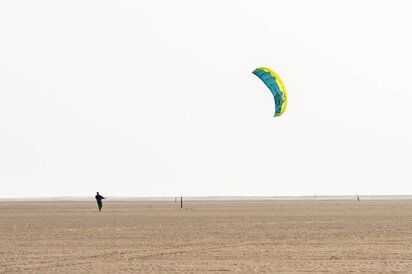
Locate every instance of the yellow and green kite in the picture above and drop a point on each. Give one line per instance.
(276, 86)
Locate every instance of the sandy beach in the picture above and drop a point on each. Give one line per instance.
(206, 237)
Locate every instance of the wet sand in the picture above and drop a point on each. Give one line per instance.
(206, 237)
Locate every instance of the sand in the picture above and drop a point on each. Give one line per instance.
(206, 237)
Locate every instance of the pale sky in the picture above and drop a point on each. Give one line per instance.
(157, 98)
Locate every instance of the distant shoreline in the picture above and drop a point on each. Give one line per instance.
(213, 198)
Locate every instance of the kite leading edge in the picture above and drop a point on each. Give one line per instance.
(276, 86)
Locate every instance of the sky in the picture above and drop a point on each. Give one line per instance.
(157, 98)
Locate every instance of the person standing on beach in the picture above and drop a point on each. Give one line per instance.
(99, 199)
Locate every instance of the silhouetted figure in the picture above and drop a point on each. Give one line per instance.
(99, 199)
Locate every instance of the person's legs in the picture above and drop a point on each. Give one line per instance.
(100, 204)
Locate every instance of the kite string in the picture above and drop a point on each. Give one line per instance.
(246, 93)
(261, 110)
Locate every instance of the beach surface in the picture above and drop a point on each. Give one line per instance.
(246, 236)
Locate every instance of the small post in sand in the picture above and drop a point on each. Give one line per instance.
(181, 201)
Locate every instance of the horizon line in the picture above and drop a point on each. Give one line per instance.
(211, 198)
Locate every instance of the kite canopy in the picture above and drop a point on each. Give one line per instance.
(276, 86)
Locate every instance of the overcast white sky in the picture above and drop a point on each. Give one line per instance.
(157, 98)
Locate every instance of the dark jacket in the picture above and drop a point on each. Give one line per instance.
(99, 197)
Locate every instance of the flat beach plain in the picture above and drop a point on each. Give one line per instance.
(207, 237)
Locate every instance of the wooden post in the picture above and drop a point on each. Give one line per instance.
(181, 202)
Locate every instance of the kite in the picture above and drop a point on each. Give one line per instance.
(276, 86)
